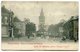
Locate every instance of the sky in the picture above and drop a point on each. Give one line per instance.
(54, 11)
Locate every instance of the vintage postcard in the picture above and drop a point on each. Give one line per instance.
(39, 25)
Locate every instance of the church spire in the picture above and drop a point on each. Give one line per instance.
(42, 17)
(41, 14)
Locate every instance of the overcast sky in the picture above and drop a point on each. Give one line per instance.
(54, 12)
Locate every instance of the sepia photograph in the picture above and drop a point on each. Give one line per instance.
(39, 25)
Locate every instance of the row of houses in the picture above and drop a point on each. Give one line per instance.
(71, 28)
(65, 29)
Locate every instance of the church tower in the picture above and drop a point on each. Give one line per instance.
(42, 18)
(41, 21)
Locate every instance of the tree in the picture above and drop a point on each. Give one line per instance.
(16, 19)
(54, 29)
(30, 28)
(15, 28)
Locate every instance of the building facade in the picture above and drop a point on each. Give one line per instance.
(6, 17)
(71, 28)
